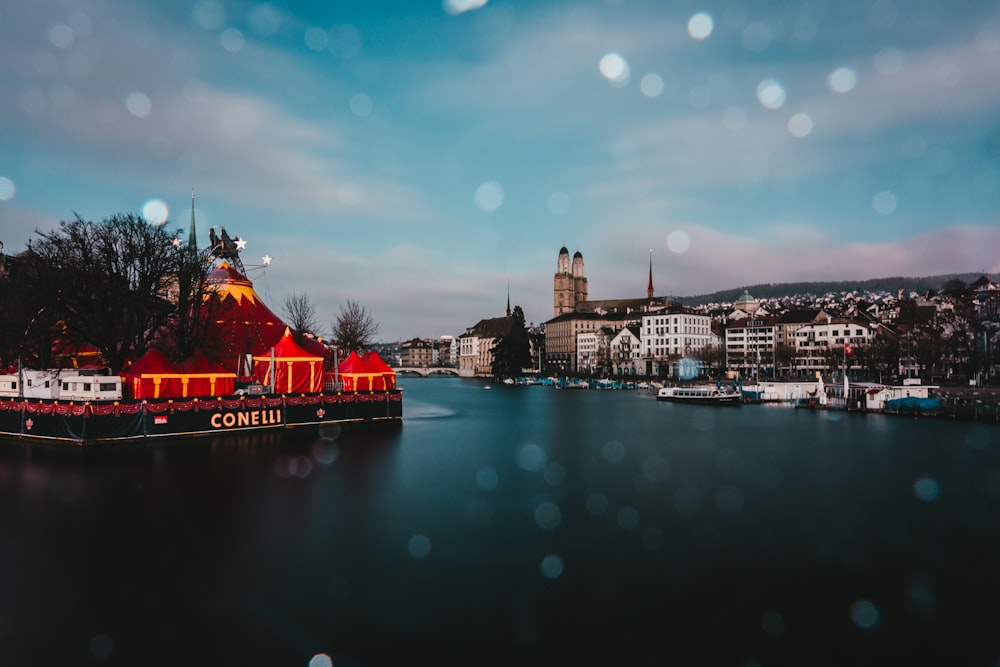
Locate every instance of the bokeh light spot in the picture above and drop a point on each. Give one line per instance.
(548, 516)
(678, 241)
(800, 125)
(865, 614)
(232, 40)
(487, 479)
(321, 660)
(489, 196)
(138, 104)
(7, 189)
(771, 94)
(419, 546)
(613, 451)
(700, 25)
(842, 80)
(361, 105)
(927, 489)
(628, 518)
(531, 457)
(155, 211)
(888, 61)
(101, 647)
(209, 14)
(455, 7)
(265, 20)
(316, 39)
(61, 36)
(884, 203)
(615, 69)
(552, 567)
(651, 85)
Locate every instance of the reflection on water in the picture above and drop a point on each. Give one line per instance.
(522, 524)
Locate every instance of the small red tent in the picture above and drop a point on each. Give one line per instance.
(355, 373)
(152, 376)
(387, 377)
(201, 377)
(295, 370)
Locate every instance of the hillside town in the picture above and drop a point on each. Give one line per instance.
(947, 337)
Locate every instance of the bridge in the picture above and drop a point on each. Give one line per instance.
(425, 371)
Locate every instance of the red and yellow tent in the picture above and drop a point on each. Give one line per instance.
(374, 362)
(295, 370)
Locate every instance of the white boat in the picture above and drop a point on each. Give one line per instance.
(704, 395)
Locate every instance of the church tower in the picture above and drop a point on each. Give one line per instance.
(579, 280)
(564, 297)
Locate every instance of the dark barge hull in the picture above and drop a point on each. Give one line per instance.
(88, 423)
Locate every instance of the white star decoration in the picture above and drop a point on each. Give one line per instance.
(266, 259)
(176, 242)
(241, 244)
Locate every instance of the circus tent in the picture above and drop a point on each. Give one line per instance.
(244, 324)
(152, 376)
(294, 369)
(356, 374)
(374, 362)
(202, 377)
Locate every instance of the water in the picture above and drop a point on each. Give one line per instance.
(515, 525)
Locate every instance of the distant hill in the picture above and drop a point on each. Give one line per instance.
(891, 285)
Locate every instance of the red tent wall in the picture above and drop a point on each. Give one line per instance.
(152, 376)
(355, 373)
(202, 377)
(387, 377)
(295, 370)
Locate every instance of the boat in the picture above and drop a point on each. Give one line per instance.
(277, 384)
(702, 395)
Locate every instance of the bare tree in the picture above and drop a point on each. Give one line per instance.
(300, 313)
(354, 328)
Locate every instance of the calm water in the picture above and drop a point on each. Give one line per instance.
(513, 526)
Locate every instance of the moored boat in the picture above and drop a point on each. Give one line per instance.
(702, 395)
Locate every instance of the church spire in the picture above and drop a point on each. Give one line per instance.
(649, 288)
(192, 236)
(508, 301)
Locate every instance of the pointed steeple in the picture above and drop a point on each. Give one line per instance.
(192, 246)
(649, 288)
(508, 301)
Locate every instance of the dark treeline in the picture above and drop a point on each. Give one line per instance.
(921, 285)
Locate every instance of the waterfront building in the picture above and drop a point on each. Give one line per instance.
(750, 345)
(821, 345)
(670, 333)
(417, 353)
(476, 346)
(626, 352)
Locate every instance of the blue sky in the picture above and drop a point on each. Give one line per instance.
(423, 157)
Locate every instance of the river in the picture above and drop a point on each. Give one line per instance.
(512, 525)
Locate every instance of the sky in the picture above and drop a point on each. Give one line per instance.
(427, 159)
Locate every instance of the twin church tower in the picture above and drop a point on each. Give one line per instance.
(569, 283)
(569, 293)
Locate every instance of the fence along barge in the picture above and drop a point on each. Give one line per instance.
(91, 422)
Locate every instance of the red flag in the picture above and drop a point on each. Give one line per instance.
(848, 349)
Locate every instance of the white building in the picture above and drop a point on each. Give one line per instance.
(625, 351)
(674, 333)
(823, 345)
